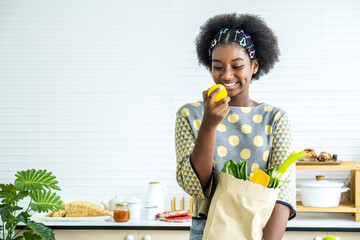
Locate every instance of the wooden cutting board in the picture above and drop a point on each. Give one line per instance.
(318, 163)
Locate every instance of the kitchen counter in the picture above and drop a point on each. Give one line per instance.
(306, 226)
(140, 224)
(339, 222)
(335, 222)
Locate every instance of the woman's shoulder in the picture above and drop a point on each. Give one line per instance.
(191, 108)
(271, 108)
(270, 112)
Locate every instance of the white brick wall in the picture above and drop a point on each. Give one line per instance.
(89, 88)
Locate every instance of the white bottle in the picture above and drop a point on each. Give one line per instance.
(155, 196)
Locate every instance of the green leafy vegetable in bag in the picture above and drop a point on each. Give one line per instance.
(239, 170)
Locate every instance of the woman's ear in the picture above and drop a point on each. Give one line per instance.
(255, 66)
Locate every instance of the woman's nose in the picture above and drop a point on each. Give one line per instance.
(228, 74)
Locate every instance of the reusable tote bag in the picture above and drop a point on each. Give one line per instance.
(239, 209)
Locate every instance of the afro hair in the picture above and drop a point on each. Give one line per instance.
(266, 44)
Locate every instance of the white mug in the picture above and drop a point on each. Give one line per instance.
(150, 212)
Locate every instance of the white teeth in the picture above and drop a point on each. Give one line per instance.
(229, 85)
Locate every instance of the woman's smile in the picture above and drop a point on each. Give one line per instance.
(230, 86)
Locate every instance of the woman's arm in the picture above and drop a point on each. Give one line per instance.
(276, 225)
(202, 156)
(195, 157)
(281, 149)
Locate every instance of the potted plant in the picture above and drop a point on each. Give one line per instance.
(37, 186)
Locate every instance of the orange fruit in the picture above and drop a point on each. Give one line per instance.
(221, 95)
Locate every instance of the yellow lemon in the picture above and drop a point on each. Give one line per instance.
(331, 238)
(221, 95)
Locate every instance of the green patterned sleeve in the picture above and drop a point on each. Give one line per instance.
(186, 175)
(281, 149)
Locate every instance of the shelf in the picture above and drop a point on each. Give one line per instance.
(345, 165)
(352, 206)
(344, 207)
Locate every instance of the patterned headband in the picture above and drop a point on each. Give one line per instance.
(240, 37)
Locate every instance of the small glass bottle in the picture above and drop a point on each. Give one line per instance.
(121, 212)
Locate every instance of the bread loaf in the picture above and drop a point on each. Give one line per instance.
(310, 154)
(324, 156)
(80, 209)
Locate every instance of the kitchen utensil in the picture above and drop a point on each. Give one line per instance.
(155, 195)
(110, 205)
(182, 205)
(135, 206)
(321, 193)
(150, 212)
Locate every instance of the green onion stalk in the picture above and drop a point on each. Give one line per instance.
(277, 174)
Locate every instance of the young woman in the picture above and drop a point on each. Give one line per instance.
(236, 49)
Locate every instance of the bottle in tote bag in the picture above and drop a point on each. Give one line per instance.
(155, 196)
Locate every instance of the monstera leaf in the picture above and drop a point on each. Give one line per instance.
(10, 195)
(36, 185)
(35, 180)
(45, 201)
(37, 230)
(7, 211)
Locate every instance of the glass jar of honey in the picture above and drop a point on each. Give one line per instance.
(121, 212)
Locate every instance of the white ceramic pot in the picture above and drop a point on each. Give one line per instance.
(135, 206)
(321, 193)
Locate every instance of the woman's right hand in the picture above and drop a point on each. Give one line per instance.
(214, 112)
